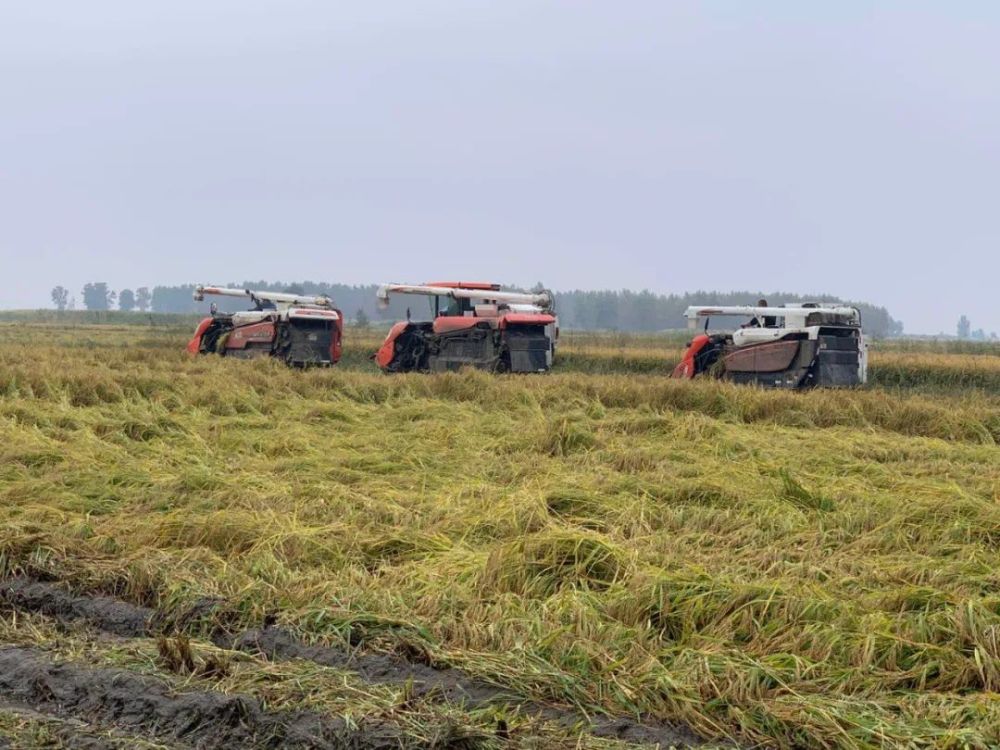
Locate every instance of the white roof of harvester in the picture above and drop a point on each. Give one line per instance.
(277, 298)
(541, 300)
(794, 315)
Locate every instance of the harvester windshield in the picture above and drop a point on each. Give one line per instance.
(441, 305)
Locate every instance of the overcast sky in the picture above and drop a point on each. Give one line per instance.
(842, 147)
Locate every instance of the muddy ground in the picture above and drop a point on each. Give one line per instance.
(147, 705)
(195, 719)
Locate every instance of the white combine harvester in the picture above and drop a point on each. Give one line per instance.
(796, 346)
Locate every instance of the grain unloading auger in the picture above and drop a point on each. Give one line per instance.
(471, 324)
(798, 346)
(299, 329)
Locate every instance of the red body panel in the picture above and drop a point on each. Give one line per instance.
(686, 367)
(336, 342)
(304, 312)
(194, 345)
(448, 323)
(258, 333)
(386, 352)
(539, 319)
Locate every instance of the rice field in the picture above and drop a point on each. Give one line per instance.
(214, 553)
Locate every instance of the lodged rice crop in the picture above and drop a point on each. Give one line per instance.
(787, 569)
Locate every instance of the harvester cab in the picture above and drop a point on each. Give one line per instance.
(796, 346)
(471, 324)
(299, 329)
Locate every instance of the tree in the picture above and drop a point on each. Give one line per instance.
(294, 289)
(97, 296)
(361, 318)
(964, 327)
(173, 299)
(60, 296)
(126, 300)
(143, 298)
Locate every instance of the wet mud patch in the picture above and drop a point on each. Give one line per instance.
(423, 680)
(24, 727)
(452, 685)
(274, 643)
(107, 614)
(204, 720)
(447, 684)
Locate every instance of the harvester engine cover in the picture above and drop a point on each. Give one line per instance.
(804, 346)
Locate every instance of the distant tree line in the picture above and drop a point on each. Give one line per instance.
(584, 310)
(98, 296)
(965, 332)
(644, 311)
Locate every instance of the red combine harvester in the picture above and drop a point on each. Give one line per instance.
(299, 329)
(472, 325)
(798, 346)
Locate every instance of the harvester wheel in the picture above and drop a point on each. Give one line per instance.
(502, 362)
(283, 344)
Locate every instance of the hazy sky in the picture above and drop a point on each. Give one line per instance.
(842, 147)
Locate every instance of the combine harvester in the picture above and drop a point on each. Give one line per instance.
(800, 346)
(472, 325)
(298, 329)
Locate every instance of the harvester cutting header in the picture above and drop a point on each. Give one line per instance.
(299, 329)
(472, 324)
(798, 346)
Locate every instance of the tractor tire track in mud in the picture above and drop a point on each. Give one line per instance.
(71, 734)
(203, 720)
(277, 644)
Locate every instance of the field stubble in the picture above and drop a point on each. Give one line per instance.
(814, 569)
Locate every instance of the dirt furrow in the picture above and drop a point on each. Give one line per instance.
(36, 729)
(277, 644)
(203, 720)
